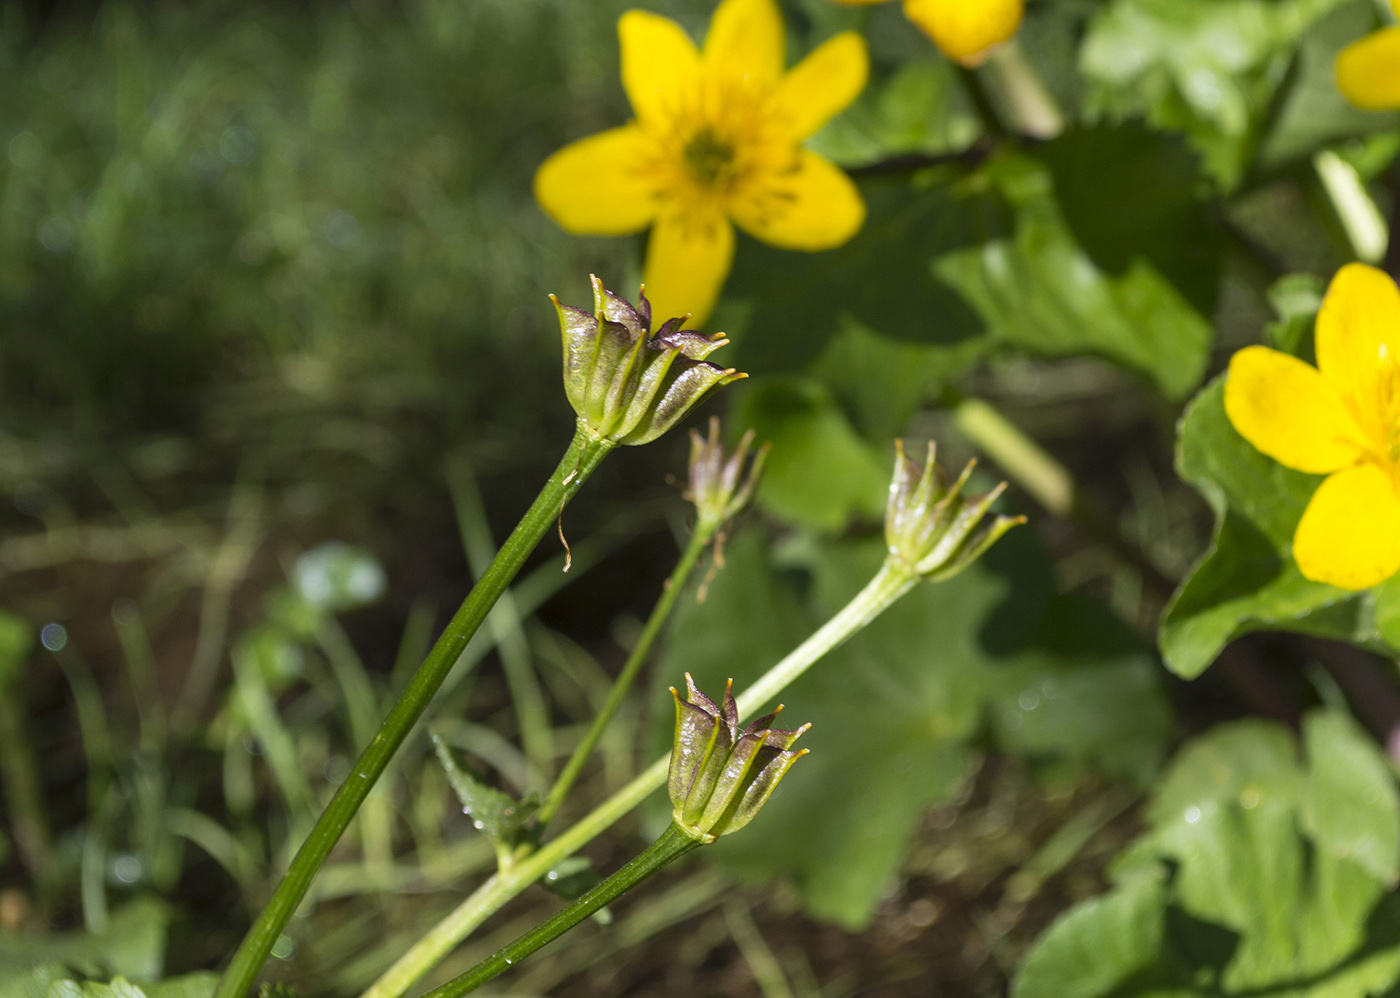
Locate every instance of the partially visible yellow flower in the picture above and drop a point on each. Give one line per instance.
(1340, 419)
(1369, 71)
(716, 138)
(965, 30)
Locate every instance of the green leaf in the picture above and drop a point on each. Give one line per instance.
(118, 987)
(919, 108)
(200, 984)
(1267, 874)
(1247, 579)
(1349, 803)
(895, 710)
(498, 816)
(1097, 945)
(33, 984)
(1209, 69)
(973, 260)
(881, 382)
(1103, 176)
(571, 877)
(1232, 474)
(1084, 693)
(819, 473)
(1037, 289)
(1387, 596)
(133, 946)
(1296, 298)
(781, 308)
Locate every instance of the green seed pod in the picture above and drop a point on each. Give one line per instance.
(930, 526)
(627, 384)
(719, 777)
(715, 486)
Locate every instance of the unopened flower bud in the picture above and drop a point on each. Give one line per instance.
(930, 526)
(719, 777)
(627, 384)
(715, 487)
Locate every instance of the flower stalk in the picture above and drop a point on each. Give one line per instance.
(719, 780)
(659, 613)
(671, 846)
(932, 531)
(628, 386)
(716, 489)
(584, 455)
(884, 589)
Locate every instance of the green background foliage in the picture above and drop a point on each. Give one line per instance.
(273, 275)
(1257, 875)
(897, 711)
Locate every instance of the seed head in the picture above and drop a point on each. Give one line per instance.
(715, 487)
(931, 526)
(627, 384)
(719, 777)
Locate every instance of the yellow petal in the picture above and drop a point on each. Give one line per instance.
(1288, 410)
(595, 186)
(966, 29)
(1368, 72)
(688, 258)
(811, 207)
(1349, 535)
(658, 62)
(1358, 330)
(746, 40)
(823, 84)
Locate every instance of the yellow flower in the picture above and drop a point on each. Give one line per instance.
(1369, 71)
(716, 138)
(965, 30)
(1340, 419)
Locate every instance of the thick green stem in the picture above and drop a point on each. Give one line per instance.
(888, 585)
(672, 845)
(582, 458)
(698, 540)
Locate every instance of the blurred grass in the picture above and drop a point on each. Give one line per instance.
(338, 197)
(261, 267)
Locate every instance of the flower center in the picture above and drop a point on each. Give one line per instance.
(709, 157)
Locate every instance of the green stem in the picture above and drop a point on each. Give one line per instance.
(1028, 103)
(672, 845)
(698, 540)
(888, 585)
(583, 456)
(891, 582)
(1365, 227)
(504, 626)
